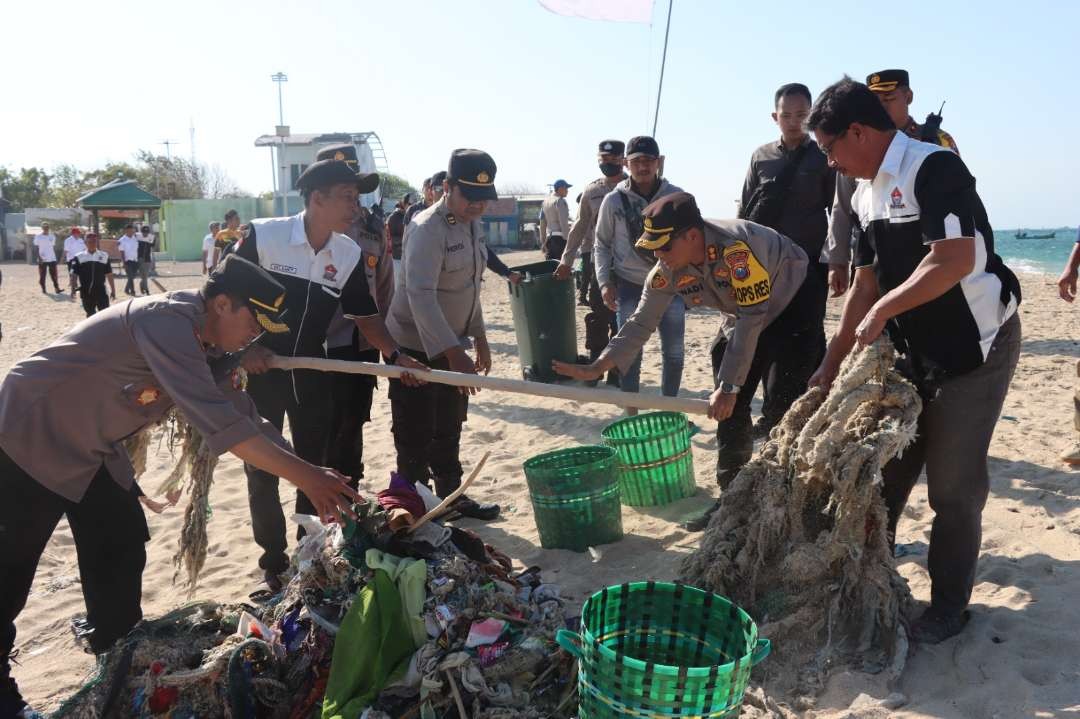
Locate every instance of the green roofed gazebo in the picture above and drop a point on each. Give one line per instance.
(120, 198)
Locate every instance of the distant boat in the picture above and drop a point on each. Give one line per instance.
(1022, 235)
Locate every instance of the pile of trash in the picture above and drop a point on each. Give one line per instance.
(425, 621)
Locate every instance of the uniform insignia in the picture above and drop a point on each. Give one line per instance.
(648, 223)
(330, 272)
(607, 145)
(875, 79)
(451, 219)
(684, 281)
(695, 300)
(148, 396)
(278, 301)
(237, 379)
(721, 272)
(659, 282)
(372, 260)
(711, 254)
(339, 155)
(750, 283)
(483, 177)
(896, 199)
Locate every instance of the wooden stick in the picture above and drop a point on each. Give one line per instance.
(457, 694)
(444, 506)
(501, 384)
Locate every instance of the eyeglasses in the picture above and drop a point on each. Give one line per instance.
(828, 149)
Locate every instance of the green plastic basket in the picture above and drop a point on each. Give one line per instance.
(656, 464)
(657, 650)
(575, 497)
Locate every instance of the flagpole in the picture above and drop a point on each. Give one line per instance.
(663, 62)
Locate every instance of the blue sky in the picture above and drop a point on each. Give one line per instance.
(98, 81)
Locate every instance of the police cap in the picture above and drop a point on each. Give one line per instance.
(887, 80)
(667, 217)
(346, 152)
(474, 172)
(612, 147)
(264, 296)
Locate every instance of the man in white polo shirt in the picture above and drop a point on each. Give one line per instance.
(73, 245)
(209, 249)
(129, 253)
(46, 249)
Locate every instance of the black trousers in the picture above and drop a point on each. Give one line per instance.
(304, 397)
(110, 533)
(774, 407)
(427, 429)
(953, 440)
(131, 268)
(94, 301)
(554, 248)
(587, 272)
(352, 395)
(782, 359)
(600, 322)
(51, 268)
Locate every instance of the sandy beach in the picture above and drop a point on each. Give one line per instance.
(1019, 657)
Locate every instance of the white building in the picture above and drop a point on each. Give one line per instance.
(293, 153)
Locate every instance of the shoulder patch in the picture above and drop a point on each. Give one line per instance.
(749, 281)
(372, 260)
(684, 281)
(659, 282)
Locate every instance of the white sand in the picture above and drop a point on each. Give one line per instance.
(1019, 656)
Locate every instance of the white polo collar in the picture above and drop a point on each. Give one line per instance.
(894, 156)
(298, 236)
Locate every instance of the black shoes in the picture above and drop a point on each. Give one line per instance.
(472, 509)
(935, 625)
(699, 524)
(273, 581)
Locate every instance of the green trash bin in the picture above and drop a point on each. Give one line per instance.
(575, 497)
(544, 320)
(657, 466)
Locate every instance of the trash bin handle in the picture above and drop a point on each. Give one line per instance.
(571, 641)
(764, 646)
(694, 429)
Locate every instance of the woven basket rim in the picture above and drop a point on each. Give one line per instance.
(605, 433)
(720, 602)
(604, 454)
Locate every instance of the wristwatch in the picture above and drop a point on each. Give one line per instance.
(393, 358)
(728, 388)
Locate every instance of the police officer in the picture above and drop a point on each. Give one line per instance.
(435, 315)
(755, 276)
(555, 221)
(128, 365)
(600, 320)
(322, 271)
(352, 393)
(90, 269)
(893, 88)
(926, 274)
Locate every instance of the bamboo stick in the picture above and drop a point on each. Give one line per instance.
(501, 384)
(444, 506)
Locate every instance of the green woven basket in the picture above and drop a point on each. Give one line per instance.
(575, 497)
(657, 466)
(656, 650)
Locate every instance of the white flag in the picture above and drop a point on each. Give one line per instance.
(612, 10)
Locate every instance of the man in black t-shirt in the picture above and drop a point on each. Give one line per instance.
(90, 270)
(927, 275)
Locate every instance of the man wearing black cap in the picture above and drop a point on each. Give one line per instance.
(894, 90)
(789, 187)
(436, 316)
(927, 275)
(128, 365)
(352, 393)
(322, 270)
(600, 323)
(621, 267)
(555, 221)
(90, 269)
(755, 276)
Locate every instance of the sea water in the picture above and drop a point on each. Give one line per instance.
(1044, 256)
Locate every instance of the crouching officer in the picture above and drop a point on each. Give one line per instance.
(435, 315)
(128, 364)
(352, 393)
(756, 277)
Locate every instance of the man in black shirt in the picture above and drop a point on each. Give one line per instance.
(926, 274)
(788, 188)
(90, 269)
(321, 270)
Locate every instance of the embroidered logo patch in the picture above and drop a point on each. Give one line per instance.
(750, 282)
(721, 272)
(372, 260)
(148, 396)
(711, 254)
(684, 281)
(659, 282)
(330, 272)
(896, 199)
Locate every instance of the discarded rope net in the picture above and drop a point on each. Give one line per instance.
(800, 539)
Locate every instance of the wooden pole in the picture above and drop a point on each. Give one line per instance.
(501, 384)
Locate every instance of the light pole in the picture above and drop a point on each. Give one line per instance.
(280, 78)
(281, 131)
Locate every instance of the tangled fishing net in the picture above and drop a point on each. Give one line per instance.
(800, 539)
